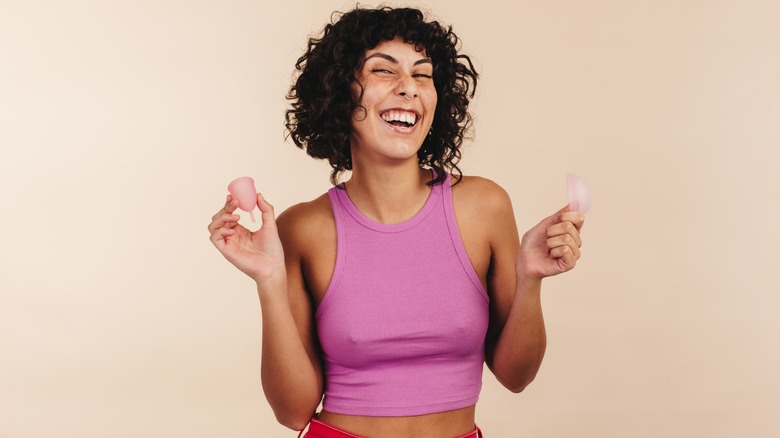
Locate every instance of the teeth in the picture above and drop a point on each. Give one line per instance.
(399, 116)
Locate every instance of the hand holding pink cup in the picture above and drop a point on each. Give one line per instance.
(580, 194)
(243, 189)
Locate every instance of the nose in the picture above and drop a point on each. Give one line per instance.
(407, 87)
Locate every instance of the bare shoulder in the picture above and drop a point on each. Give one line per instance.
(481, 195)
(486, 223)
(308, 234)
(484, 209)
(305, 222)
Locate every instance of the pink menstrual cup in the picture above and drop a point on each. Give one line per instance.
(580, 194)
(243, 189)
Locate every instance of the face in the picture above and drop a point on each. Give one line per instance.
(399, 99)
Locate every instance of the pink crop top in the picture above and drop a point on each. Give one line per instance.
(402, 324)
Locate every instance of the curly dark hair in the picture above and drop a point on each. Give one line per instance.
(323, 103)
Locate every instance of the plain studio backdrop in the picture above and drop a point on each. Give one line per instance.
(122, 122)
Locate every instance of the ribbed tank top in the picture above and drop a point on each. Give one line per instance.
(402, 324)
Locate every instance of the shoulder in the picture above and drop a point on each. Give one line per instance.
(484, 208)
(305, 221)
(482, 194)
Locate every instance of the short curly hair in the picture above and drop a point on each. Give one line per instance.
(323, 102)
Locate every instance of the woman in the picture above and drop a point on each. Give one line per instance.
(388, 293)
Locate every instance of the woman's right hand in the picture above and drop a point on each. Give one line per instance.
(258, 254)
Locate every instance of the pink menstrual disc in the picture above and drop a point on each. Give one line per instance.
(580, 194)
(243, 189)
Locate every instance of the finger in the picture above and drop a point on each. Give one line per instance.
(554, 218)
(565, 256)
(575, 217)
(219, 235)
(267, 212)
(561, 241)
(565, 228)
(230, 206)
(225, 219)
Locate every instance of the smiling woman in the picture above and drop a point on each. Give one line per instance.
(384, 297)
(397, 102)
(328, 91)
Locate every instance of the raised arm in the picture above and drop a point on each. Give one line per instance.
(290, 367)
(517, 340)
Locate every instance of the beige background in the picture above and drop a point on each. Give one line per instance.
(122, 122)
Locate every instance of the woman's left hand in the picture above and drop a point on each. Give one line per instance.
(552, 246)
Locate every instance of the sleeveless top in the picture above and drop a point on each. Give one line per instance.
(402, 324)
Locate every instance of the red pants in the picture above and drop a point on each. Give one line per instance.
(320, 429)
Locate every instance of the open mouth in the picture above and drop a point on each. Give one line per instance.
(400, 118)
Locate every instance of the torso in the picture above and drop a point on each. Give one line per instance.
(320, 260)
(318, 263)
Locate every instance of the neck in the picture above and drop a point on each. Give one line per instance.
(389, 195)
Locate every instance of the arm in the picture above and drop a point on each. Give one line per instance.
(516, 353)
(290, 368)
(516, 337)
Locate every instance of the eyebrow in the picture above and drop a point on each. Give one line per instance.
(395, 61)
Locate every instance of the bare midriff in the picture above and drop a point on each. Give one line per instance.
(447, 424)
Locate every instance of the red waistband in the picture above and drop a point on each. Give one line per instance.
(320, 429)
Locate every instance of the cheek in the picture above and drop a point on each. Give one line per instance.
(430, 102)
(361, 92)
(364, 99)
(430, 95)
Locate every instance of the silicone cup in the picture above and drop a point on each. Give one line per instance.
(243, 189)
(580, 194)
